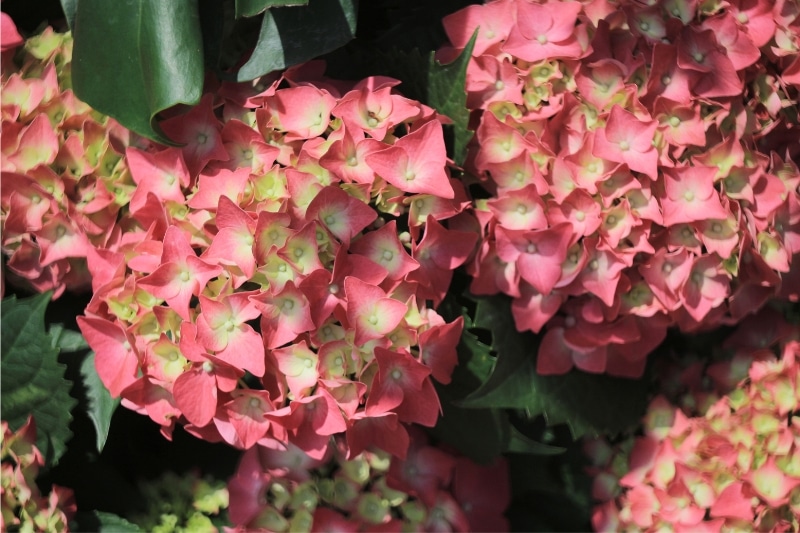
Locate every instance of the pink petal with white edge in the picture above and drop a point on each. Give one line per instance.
(416, 163)
(369, 310)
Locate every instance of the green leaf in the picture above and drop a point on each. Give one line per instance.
(67, 340)
(481, 434)
(101, 405)
(32, 380)
(294, 35)
(134, 59)
(111, 523)
(520, 443)
(251, 8)
(447, 94)
(69, 7)
(588, 403)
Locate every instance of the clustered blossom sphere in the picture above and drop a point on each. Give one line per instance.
(431, 490)
(24, 508)
(63, 172)
(272, 279)
(640, 160)
(732, 463)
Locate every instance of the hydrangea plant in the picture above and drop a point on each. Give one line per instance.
(387, 291)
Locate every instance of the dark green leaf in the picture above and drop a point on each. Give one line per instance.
(519, 443)
(134, 59)
(101, 405)
(480, 434)
(67, 340)
(588, 403)
(70, 7)
(293, 35)
(32, 379)
(111, 523)
(480, 361)
(251, 8)
(447, 94)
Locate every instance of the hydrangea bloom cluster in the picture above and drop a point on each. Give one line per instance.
(640, 159)
(431, 490)
(24, 508)
(63, 172)
(735, 464)
(273, 278)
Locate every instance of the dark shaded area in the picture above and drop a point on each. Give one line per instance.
(29, 15)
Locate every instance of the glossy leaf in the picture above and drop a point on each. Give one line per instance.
(589, 404)
(251, 8)
(293, 35)
(101, 405)
(134, 59)
(31, 378)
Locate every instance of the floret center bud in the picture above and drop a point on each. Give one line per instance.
(185, 276)
(542, 39)
(666, 268)
(308, 363)
(580, 216)
(593, 264)
(396, 374)
(288, 305)
(373, 320)
(674, 122)
(387, 255)
(229, 325)
(498, 85)
(330, 219)
(352, 161)
(688, 196)
(531, 249)
(255, 402)
(409, 175)
(624, 146)
(207, 367)
(522, 209)
(716, 227)
(202, 138)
